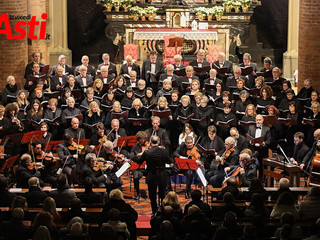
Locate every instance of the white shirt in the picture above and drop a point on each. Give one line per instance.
(84, 80)
(258, 133)
(153, 68)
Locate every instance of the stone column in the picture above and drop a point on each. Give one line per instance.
(309, 44)
(290, 57)
(37, 8)
(59, 31)
(13, 53)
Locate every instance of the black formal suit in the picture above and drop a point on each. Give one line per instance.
(35, 196)
(162, 134)
(75, 133)
(54, 81)
(65, 155)
(29, 70)
(98, 178)
(276, 85)
(105, 80)
(155, 158)
(112, 136)
(250, 79)
(67, 70)
(299, 152)
(90, 70)
(181, 66)
(79, 79)
(185, 79)
(226, 64)
(112, 67)
(203, 75)
(265, 133)
(135, 67)
(32, 87)
(165, 76)
(232, 81)
(146, 67)
(242, 143)
(23, 175)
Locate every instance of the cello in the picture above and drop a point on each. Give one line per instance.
(314, 170)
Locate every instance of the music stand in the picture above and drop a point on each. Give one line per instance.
(52, 145)
(9, 162)
(28, 137)
(129, 141)
(137, 166)
(176, 42)
(186, 164)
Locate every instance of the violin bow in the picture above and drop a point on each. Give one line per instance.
(78, 143)
(45, 149)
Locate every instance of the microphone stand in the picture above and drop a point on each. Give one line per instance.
(285, 159)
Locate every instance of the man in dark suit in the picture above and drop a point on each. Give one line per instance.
(212, 79)
(241, 141)
(115, 131)
(256, 131)
(84, 79)
(223, 63)
(275, 81)
(75, 131)
(200, 62)
(105, 76)
(186, 79)
(196, 200)
(128, 66)
(177, 62)
(99, 179)
(23, 173)
(62, 62)
(133, 80)
(36, 57)
(58, 80)
(169, 75)
(31, 85)
(250, 79)
(300, 149)
(232, 80)
(107, 63)
(85, 62)
(155, 158)
(157, 131)
(150, 69)
(35, 196)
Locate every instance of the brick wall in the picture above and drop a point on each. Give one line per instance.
(309, 44)
(15, 54)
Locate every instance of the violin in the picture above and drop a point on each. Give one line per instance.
(103, 139)
(145, 146)
(35, 165)
(101, 164)
(235, 174)
(46, 156)
(194, 154)
(119, 157)
(75, 147)
(226, 154)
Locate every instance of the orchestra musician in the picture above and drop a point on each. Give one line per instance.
(99, 137)
(155, 158)
(75, 131)
(68, 152)
(160, 132)
(95, 171)
(26, 170)
(46, 159)
(307, 160)
(108, 154)
(244, 172)
(230, 157)
(116, 131)
(300, 149)
(188, 150)
(141, 146)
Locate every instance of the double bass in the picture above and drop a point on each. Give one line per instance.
(314, 170)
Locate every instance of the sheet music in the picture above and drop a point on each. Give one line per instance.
(122, 169)
(202, 178)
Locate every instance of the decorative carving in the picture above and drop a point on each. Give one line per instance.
(112, 29)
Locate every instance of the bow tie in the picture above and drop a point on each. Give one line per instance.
(189, 77)
(83, 76)
(130, 65)
(153, 63)
(246, 65)
(199, 62)
(211, 79)
(169, 75)
(259, 128)
(36, 74)
(59, 76)
(106, 64)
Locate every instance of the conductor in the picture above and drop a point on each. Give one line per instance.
(156, 158)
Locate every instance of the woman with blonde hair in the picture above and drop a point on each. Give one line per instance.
(93, 116)
(172, 200)
(162, 106)
(187, 131)
(195, 87)
(98, 88)
(11, 89)
(166, 88)
(116, 108)
(136, 112)
(22, 101)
